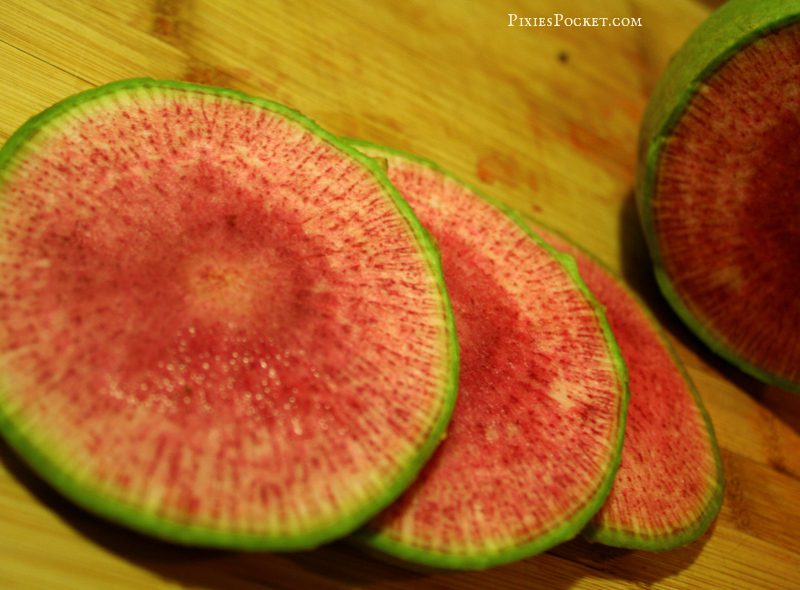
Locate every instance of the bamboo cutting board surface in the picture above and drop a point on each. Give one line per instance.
(544, 119)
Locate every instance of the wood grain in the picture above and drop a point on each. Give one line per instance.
(544, 119)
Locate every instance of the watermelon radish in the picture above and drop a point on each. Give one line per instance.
(719, 185)
(669, 485)
(536, 434)
(220, 325)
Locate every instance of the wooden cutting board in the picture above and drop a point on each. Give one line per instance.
(544, 119)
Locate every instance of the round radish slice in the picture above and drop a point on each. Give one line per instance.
(220, 325)
(668, 488)
(536, 434)
(719, 186)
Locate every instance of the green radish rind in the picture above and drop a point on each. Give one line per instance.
(628, 539)
(735, 25)
(374, 540)
(45, 462)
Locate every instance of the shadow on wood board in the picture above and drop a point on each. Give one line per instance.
(339, 565)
